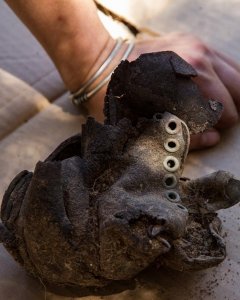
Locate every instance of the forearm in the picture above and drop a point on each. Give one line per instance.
(70, 31)
(77, 42)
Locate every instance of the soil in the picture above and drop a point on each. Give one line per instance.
(200, 239)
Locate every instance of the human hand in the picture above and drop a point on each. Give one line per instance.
(79, 48)
(218, 77)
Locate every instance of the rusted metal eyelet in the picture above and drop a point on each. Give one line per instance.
(171, 163)
(169, 181)
(157, 116)
(171, 145)
(172, 196)
(182, 207)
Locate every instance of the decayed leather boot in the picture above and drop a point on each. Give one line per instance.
(110, 202)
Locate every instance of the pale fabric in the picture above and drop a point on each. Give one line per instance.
(18, 103)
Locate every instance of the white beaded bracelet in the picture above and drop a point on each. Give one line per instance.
(82, 95)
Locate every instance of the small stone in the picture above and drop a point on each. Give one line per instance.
(213, 105)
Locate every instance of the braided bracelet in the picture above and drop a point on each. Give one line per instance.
(82, 95)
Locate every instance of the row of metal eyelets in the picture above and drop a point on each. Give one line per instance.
(172, 164)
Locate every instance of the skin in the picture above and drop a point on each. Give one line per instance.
(68, 36)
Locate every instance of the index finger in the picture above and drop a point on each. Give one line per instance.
(213, 87)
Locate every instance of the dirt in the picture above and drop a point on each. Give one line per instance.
(200, 239)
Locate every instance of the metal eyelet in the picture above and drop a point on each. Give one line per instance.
(157, 116)
(172, 126)
(171, 145)
(172, 196)
(169, 181)
(182, 207)
(171, 163)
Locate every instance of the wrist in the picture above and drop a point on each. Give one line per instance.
(77, 59)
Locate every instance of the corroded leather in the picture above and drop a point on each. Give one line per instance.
(110, 202)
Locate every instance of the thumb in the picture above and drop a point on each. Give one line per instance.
(204, 140)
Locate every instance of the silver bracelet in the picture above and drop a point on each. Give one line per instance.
(81, 95)
(103, 67)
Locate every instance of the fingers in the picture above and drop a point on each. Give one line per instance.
(228, 60)
(218, 77)
(230, 77)
(204, 140)
(213, 87)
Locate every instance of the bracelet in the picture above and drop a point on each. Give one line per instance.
(103, 67)
(81, 95)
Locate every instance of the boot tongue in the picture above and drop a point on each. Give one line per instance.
(232, 197)
(215, 191)
(159, 82)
